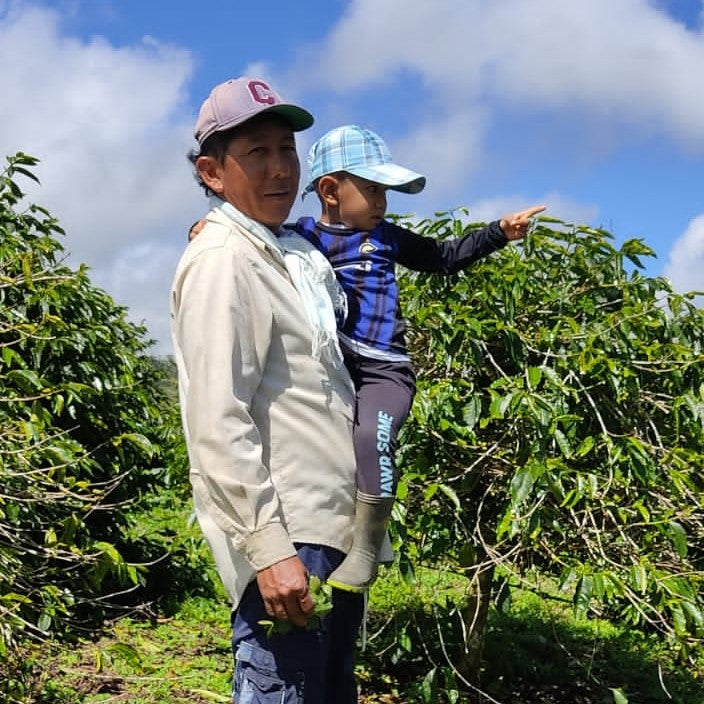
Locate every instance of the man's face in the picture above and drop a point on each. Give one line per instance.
(260, 172)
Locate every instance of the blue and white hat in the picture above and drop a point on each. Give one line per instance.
(362, 153)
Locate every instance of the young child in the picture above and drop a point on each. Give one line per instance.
(350, 170)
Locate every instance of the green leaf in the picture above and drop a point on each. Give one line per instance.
(109, 550)
(693, 612)
(583, 595)
(563, 443)
(138, 440)
(50, 537)
(505, 524)
(679, 619)
(467, 555)
(568, 576)
(44, 623)
(535, 374)
(126, 653)
(585, 447)
(678, 537)
(25, 172)
(639, 577)
(472, 412)
(428, 687)
(521, 485)
(27, 270)
(450, 493)
(26, 379)
(619, 696)
(268, 626)
(211, 696)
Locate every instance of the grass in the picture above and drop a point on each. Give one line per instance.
(551, 651)
(185, 657)
(536, 651)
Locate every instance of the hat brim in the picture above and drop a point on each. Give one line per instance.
(393, 176)
(298, 118)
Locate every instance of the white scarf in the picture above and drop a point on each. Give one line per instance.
(311, 274)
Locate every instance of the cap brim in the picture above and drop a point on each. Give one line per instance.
(298, 118)
(393, 176)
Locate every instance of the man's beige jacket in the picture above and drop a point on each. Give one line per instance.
(268, 428)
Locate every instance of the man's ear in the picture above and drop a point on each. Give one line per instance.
(327, 190)
(210, 170)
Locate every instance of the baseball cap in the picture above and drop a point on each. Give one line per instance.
(362, 153)
(235, 101)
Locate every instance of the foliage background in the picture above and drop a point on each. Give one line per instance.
(88, 429)
(555, 448)
(559, 431)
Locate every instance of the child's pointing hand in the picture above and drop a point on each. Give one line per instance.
(516, 225)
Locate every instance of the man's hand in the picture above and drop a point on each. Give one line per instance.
(284, 589)
(516, 225)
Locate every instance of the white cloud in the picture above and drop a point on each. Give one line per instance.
(624, 62)
(685, 266)
(111, 127)
(141, 275)
(445, 149)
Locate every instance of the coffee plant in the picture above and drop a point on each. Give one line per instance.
(558, 432)
(83, 424)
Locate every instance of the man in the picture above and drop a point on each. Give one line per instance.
(267, 404)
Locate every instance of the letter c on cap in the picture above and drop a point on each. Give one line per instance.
(261, 92)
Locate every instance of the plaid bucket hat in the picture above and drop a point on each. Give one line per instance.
(362, 153)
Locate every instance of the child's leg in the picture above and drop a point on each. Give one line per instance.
(384, 395)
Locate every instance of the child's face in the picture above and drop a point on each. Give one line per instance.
(361, 203)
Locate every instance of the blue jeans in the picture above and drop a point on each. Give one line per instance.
(302, 666)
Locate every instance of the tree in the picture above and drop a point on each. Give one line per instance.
(83, 430)
(558, 431)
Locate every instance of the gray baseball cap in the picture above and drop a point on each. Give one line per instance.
(235, 101)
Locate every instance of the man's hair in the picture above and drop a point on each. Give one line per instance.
(216, 146)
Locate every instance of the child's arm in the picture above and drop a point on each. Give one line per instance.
(452, 255)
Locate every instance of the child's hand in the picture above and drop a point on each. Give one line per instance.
(196, 227)
(516, 225)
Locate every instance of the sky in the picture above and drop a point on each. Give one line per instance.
(592, 107)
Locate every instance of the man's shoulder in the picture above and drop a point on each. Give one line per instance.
(219, 232)
(216, 248)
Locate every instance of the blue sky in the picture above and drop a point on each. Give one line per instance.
(595, 108)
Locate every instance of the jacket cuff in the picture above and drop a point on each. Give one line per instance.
(497, 235)
(268, 545)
